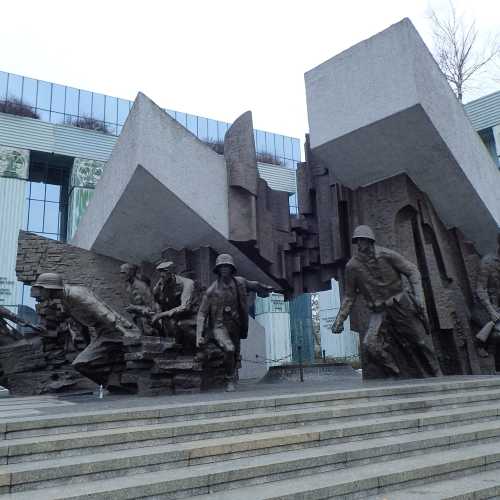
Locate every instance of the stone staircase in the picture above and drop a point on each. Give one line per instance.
(425, 440)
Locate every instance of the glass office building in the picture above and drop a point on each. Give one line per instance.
(60, 104)
(49, 166)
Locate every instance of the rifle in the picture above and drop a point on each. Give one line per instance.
(486, 330)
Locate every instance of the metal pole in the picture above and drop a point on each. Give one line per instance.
(301, 369)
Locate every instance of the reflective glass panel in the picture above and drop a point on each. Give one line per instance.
(222, 129)
(181, 118)
(296, 149)
(58, 98)
(53, 192)
(260, 143)
(171, 112)
(15, 86)
(51, 236)
(202, 128)
(35, 217)
(72, 101)
(192, 124)
(43, 114)
(3, 85)
(111, 128)
(288, 147)
(270, 143)
(212, 130)
(29, 92)
(51, 218)
(123, 110)
(85, 108)
(279, 146)
(98, 106)
(37, 190)
(44, 94)
(119, 129)
(57, 118)
(111, 109)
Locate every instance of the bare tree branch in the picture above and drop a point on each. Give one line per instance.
(458, 51)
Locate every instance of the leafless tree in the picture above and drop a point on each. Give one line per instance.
(460, 51)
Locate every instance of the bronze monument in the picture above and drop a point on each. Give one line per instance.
(223, 314)
(397, 315)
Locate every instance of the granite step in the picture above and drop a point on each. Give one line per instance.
(291, 475)
(481, 485)
(294, 451)
(405, 414)
(158, 413)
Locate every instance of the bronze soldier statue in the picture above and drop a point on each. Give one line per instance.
(102, 360)
(488, 294)
(397, 314)
(142, 306)
(175, 298)
(223, 314)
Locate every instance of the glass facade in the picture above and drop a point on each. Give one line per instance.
(62, 104)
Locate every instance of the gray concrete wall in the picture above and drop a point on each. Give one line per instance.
(168, 151)
(382, 108)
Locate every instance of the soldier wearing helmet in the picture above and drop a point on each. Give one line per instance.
(175, 299)
(102, 360)
(377, 273)
(141, 305)
(486, 312)
(223, 313)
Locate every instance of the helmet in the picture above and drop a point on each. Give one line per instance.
(125, 268)
(224, 259)
(52, 281)
(166, 266)
(363, 232)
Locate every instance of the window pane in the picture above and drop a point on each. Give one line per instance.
(270, 144)
(72, 101)
(43, 114)
(278, 144)
(44, 92)
(37, 190)
(15, 86)
(57, 118)
(111, 109)
(288, 147)
(181, 118)
(29, 92)
(212, 130)
(192, 124)
(119, 129)
(202, 128)
(51, 220)
(58, 98)
(171, 112)
(123, 110)
(3, 85)
(111, 128)
(260, 144)
(53, 192)
(98, 106)
(221, 130)
(296, 149)
(35, 217)
(85, 108)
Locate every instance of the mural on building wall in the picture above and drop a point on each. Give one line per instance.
(14, 162)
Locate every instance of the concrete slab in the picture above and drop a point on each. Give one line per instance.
(162, 187)
(383, 107)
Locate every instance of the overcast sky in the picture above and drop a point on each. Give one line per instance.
(215, 58)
